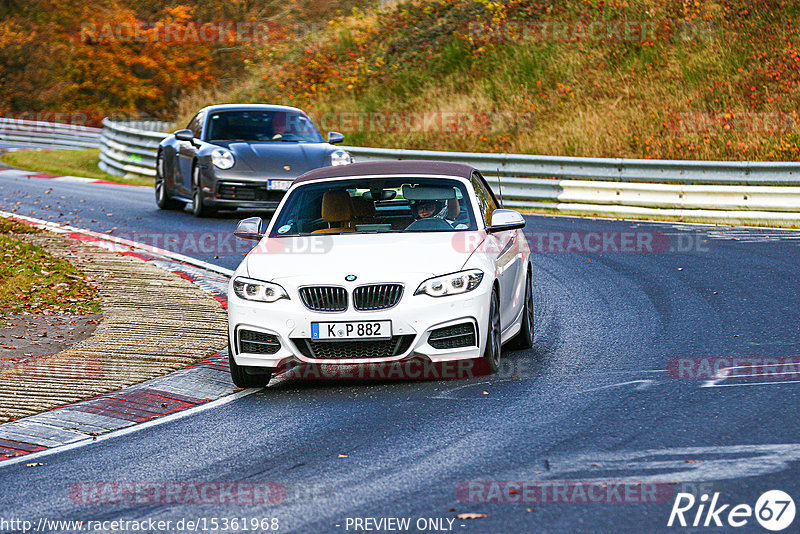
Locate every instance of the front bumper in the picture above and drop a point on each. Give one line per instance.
(415, 316)
(227, 190)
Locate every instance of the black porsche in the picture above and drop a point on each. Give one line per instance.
(240, 156)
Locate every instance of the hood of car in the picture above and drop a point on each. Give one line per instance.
(368, 257)
(281, 158)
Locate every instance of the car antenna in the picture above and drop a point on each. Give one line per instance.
(500, 186)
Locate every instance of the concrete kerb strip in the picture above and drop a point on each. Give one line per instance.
(177, 394)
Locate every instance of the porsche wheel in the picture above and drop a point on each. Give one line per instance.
(199, 208)
(163, 199)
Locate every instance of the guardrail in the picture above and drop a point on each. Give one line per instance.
(129, 148)
(48, 134)
(713, 191)
(741, 192)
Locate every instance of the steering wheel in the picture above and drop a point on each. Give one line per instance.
(430, 224)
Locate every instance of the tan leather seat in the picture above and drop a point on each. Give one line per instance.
(337, 211)
(363, 210)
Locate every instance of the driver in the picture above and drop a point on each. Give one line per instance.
(279, 125)
(422, 209)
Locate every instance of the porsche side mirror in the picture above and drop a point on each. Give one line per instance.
(184, 135)
(335, 137)
(503, 220)
(249, 228)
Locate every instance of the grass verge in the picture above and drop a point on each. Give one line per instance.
(34, 281)
(67, 162)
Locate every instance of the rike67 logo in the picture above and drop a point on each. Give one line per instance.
(774, 510)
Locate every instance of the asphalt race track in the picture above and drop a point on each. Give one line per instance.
(598, 398)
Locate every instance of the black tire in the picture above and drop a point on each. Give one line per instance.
(199, 208)
(163, 200)
(524, 339)
(242, 379)
(493, 350)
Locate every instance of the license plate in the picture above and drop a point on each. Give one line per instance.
(280, 185)
(352, 330)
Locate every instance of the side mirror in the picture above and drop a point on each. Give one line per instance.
(184, 135)
(335, 137)
(503, 220)
(249, 228)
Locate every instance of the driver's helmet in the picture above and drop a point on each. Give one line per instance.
(438, 206)
(279, 123)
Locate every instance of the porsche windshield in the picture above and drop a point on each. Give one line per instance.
(370, 205)
(261, 125)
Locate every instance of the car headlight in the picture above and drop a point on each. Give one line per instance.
(451, 284)
(340, 157)
(249, 289)
(222, 158)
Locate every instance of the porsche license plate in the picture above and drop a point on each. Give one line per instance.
(279, 185)
(352, 330)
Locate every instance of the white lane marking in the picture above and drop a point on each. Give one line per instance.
(682, 464)
(715, 385)
(725, 374)
(129, 430)
(635, 372)
(643, 384)
(64, 228)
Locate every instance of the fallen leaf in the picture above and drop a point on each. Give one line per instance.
(471, 515)
(34, 464)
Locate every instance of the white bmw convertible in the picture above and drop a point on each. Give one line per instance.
(381, 262)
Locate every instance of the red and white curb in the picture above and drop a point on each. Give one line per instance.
(178, 394)
(19, 173)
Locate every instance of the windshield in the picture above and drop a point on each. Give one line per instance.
(370, 205)
(260, 125)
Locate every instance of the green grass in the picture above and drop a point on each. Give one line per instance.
(67, 162)
(33, 280)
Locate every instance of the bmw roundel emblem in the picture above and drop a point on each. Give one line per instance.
(350, 277)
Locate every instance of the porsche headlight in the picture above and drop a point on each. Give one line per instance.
(451, 284)
(222, 158)
(340, 157)
(256, 290)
